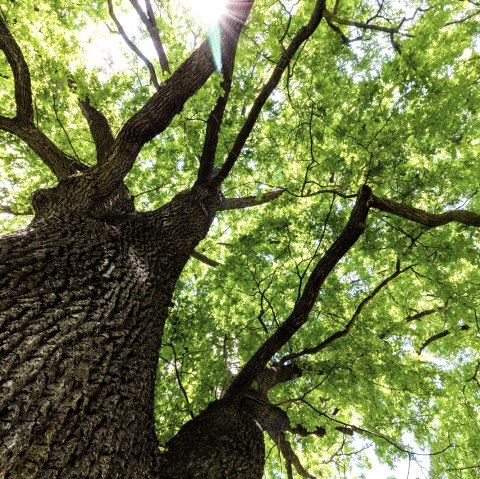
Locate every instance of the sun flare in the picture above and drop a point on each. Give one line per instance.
(206, 12)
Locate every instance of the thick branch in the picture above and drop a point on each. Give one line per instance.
(204, 259)
(302, 308)
(427, 219)
(59, 163)
(348, 327)
(215, 119)
(276, 374)
(291, 457)
(99, 129)
(436, 337)
(158, 112)
(149, 21)
(22, 125)
(301, 37)
(21, 74)
(248, 201)
(132, 46)
(214, 122)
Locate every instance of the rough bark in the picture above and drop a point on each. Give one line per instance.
(82, 306)
(223, 442)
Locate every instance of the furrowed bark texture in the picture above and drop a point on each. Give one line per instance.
(223, 442)
(82, 307)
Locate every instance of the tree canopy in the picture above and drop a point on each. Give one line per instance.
(381, 93)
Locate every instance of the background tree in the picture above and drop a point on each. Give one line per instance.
(285, 210)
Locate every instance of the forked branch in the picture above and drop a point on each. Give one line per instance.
(298, 40)
(150, 22)
(22, 125)
(302, 308)
(155, 116)
(306, 301)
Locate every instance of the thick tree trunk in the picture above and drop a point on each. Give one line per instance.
(83, 303)
(80, 327)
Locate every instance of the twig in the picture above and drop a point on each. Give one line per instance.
(249, 201)
(149, 21)
(132, 46)
(204, 259)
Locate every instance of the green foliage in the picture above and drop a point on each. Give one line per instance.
(406, 123)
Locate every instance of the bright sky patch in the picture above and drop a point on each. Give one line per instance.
(206, 12)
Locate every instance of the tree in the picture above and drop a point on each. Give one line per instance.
(284, 213)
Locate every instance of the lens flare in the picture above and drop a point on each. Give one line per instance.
(206, 12)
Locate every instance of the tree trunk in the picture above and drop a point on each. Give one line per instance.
(83, 304)
(224, 442)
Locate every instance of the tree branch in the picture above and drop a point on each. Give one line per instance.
(249, 201)
(8, 210)
(149, 21)
(364, 26)
(302, 36)
(99, 129)
(158, 112)
(62, 127)
(22, 125)
(132, 46)
(276, 374)
(21, 73)
(179, 382)
(352, 428)
(215, 119)
(338, 30)
(339, 334)
(204, 259)
(427, 219)
(275, 421)
(298, 317)
(421, 314)
(214, 122)
(436, 337)
(59, 162)
(291, 457)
